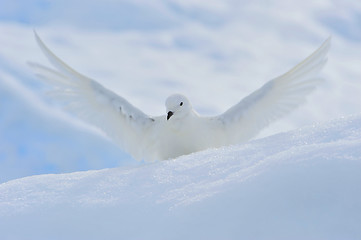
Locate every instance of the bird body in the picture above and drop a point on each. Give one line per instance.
(182, 130)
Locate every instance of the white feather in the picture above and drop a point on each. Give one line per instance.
(274, 99)
(90, 101)
(152, 138)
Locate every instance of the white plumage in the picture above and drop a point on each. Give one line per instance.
(182, 130)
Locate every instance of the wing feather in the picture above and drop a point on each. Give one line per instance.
(274, 99)
(93, 103)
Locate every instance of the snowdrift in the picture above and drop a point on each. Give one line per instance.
(303, 184)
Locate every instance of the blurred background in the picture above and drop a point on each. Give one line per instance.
(215, 52)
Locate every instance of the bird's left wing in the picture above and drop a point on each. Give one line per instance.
(274, 99)
(93, 103)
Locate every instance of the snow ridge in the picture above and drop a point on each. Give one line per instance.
(305, 178)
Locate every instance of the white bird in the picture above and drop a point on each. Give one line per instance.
(182, 130)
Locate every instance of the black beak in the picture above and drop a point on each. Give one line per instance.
(170, 113)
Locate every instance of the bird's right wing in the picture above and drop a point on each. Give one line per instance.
(274, 99)
(122, 122)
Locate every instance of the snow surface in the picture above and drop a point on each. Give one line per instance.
(304, 184)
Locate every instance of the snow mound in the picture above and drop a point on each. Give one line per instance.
(303, 184)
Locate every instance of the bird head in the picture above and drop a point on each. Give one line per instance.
(177, 106)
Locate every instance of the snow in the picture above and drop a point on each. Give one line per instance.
(303, 184)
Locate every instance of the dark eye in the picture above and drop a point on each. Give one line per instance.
(181, 104)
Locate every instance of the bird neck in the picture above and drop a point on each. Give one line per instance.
(177, 124)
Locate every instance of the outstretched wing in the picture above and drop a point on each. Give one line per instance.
(93, 103)
(274, 99)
